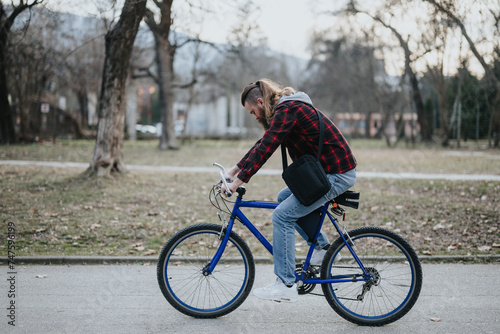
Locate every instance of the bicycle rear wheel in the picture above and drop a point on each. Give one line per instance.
(181, 265)
(396, 277)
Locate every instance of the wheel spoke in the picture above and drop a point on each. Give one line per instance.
(183, 260)
(395, 271)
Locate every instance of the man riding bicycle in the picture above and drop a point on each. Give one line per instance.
(289, 119)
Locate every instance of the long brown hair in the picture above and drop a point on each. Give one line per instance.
(269, 91)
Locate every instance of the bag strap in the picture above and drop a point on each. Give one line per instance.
(283, 157)
(321, 133)
(320, 144)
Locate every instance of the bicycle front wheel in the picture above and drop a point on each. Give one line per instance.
(183, 260)
(391, 286)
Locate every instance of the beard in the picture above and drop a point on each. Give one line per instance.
(263, 119)
(264, 123)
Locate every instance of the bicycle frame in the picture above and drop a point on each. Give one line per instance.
(239, 215)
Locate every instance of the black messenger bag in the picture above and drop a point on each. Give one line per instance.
(305, 177)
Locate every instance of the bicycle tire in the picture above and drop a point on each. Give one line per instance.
(187, 289)
(396, 272)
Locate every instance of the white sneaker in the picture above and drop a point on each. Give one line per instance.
(317, 257)
(278, 291)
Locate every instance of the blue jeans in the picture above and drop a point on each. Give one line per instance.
(284, 224)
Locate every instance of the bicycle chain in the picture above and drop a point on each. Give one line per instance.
(345, 267)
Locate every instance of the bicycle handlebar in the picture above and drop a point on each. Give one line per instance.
(223, 179)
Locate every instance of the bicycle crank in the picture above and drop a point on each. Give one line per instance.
(301, 286)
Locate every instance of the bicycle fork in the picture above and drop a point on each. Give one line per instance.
(224, 237)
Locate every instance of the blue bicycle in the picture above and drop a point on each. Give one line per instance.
(369, 276)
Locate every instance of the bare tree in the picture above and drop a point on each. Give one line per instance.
(344, 75)
(347, 77)
(165, 53)
(435, 38)
(108, 155)
(425, 129)
(39, 71)
(30, 76)
(81, 68)
(7, 131)
(447, 7)
(248, 58)
(166, 46)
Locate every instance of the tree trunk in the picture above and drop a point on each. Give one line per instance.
(108, 155)
(425, 130)
(165, 53)
(457, 108)
(83, 102)
(444, 118)
(368, 120)
(7, 131)
(165, 77)
(495, 121)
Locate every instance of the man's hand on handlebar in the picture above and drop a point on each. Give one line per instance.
(232, 186)
(229, 183)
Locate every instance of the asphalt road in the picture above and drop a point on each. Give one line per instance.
(455, 298)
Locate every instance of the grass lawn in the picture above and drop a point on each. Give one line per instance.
(58, 211)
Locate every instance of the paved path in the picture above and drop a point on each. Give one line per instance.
(359, 174)
(455, 298)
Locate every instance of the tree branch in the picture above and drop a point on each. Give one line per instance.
(496, 17)
(146, 74)
(149, 18)
(404, 44)
(187, 85)
(196, 40)
(456, 20)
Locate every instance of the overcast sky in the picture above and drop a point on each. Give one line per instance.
(286, 23)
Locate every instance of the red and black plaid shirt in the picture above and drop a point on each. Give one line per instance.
(296, 125)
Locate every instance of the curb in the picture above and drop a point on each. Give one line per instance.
(48, 260)
(82, 260)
